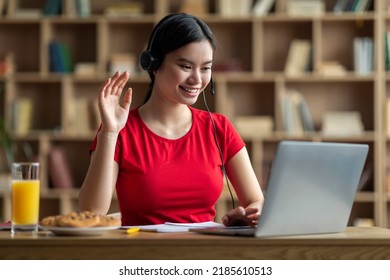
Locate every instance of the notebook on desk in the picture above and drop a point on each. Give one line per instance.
(311, 190)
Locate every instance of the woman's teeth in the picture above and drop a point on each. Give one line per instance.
(189, 90)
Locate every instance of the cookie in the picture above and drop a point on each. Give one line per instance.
(50, 221)
(108, 221)
(79, 219)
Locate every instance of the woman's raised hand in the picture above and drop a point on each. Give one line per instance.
(113, 112)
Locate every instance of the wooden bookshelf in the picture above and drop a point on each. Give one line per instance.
(255, 48)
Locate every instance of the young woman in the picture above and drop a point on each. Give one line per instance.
(166, 159)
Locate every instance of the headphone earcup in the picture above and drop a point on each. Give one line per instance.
(148, 61)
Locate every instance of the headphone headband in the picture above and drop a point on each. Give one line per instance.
(148, 61)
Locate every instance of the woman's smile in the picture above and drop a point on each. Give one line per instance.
(191, 92)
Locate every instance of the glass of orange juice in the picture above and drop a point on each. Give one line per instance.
(25, 197)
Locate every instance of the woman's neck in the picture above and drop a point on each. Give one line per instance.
(166, 120)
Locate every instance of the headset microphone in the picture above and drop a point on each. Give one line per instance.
(212, 89)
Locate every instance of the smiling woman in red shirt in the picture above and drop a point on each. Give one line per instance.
(165, 159)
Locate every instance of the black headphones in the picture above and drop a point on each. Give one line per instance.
(148, 61)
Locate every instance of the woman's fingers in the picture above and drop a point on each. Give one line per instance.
(103, 88)
(114, 85)
(109, 86)
(127, 99)
(240, 216)
(250, 211)
(119, 84)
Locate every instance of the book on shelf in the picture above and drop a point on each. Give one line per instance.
(77, 8)
(231, 8)
(387, 50)
(196, 7)
(60, 173)
(304, 112)
(351, 5)
(3, 8)
(13, 9)
(355, 6)
(83, 8)
(388, 116)
(253, 126)
(305, 8)
(295, 114)
(340, 6)
(262, 7)
(298, 57)
(82, 116)
(22, 115)
(388, 176)
(60, 57)
(331, 68)
(7, 63)
(85, 69)
(28, 14)
(130, 9)
(123, 62)
(342, 123)
(52, 8)
(363, 222)
(363, 5)
(363, 51)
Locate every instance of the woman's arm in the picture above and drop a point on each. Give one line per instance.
(99, 183)
(247, 187)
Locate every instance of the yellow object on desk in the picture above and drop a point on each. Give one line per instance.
(25, 202)
(132, 230)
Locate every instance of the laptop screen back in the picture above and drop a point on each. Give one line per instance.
(312, 187)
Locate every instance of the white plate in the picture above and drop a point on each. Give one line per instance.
(79, 231)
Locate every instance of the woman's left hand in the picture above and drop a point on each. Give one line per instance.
(241, 217)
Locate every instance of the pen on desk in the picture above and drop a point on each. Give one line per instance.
(132, 230)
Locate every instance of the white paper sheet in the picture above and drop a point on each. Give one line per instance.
(174, 227)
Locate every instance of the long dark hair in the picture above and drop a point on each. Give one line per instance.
(173, 32)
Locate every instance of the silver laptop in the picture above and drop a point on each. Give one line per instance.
(311, 190)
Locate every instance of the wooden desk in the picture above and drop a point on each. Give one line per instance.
(355, 243)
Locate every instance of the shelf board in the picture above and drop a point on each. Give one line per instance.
(328, 16)
(368, 136)
(365, 197)
(246, 76)
(37, 135)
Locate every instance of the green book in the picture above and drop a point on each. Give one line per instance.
(66, 59)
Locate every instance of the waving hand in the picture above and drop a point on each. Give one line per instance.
(113, 112)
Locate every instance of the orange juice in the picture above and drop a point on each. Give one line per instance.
(25, 202)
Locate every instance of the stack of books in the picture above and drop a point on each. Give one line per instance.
(363, 48)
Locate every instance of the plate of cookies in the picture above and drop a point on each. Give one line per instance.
(83, 223)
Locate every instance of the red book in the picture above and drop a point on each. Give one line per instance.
(59, 169)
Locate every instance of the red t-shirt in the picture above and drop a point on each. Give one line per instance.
(163, 180)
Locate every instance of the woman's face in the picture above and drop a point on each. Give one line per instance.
(184, 73)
